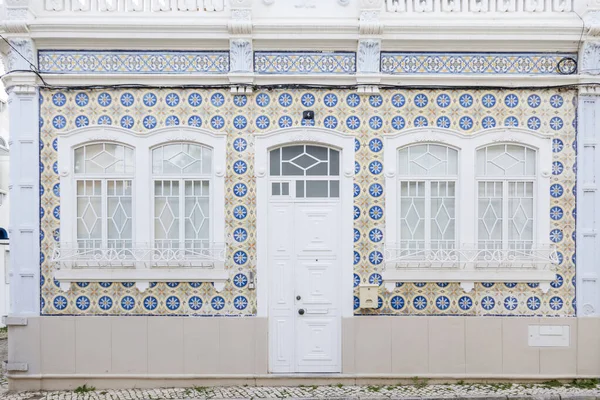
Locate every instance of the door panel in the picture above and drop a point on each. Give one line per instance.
(317, 344)
(282, 308)
(304, 264)
(317, 229)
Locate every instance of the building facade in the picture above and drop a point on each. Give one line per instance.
(212, 191)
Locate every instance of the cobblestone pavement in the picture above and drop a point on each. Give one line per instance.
(586, 390)
(417, 389)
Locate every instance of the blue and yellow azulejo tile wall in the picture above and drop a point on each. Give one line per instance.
(370, 119)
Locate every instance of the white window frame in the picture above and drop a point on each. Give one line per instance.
(466, 199)
(143, 199)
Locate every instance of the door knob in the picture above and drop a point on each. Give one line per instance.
(301, 311)
(298, 298)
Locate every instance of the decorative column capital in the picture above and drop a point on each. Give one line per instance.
(590, 58)
(16, 16)
(19, 56)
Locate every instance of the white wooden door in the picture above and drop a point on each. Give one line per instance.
(304, 314)
(304, 260)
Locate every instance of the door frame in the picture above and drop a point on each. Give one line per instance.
(320, 137)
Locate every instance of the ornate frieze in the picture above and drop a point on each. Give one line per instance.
(133, 62)
(474, 63)
(304, 63)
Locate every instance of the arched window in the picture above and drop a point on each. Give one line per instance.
(3, 234)
(506, 177)
(305, 171)
(182, 187)
(427, 182)
(103, 177)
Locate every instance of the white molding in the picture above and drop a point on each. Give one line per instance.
(345, 143)
(142, 199)
(142, 277)
(588, 187)
(467, 146)
(466, 278)
(491, 80)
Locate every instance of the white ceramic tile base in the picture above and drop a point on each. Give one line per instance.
(508, 355)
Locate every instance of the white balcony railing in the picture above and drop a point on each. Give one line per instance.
(74, 255)
(479, 6)
(468, 264)
(132, 6)
(141, 264)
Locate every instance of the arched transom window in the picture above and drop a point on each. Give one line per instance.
(182, 184)
(104, 173)
(305, 171)
(427, 181)
(506, 175)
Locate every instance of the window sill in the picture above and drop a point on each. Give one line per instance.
(469, 264)
(467, 279)
(141, 277)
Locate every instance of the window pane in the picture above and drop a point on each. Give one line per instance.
(412, 214)
(317, 189)
(290, 152)
(334, 162)
(443, 214)
(319, 169)
(506, 160)
(182, 159)
(300, 189)
(291, 170)
(285, 189)
(166, 214)
(275, 189)
(427, 160)
(274, 162)
(320, 153)
(89, 213)
(103, 158)
(119, 210)
(490, 214)
(334, 188)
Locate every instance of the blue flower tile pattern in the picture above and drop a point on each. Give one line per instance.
(370, 119)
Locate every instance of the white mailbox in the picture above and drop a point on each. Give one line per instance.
(368, 295)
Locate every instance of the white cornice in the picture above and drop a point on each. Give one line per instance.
(490, 80)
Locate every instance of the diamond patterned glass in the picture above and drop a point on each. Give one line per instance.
(506, 204)
(427, 207)
(182, 159)
(103, 158)
(427, 160)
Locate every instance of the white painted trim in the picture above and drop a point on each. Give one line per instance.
(474, 80)
(142, 277)
(467, 146)
(142, 143)
(345, 143)
(588, 240)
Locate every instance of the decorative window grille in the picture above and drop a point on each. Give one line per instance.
(427, 181)
(182, 208)
(104, 179)
(506, 175)
(305, 171)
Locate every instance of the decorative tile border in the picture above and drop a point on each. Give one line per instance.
(133, 62)
(476, 63)
(304, 63)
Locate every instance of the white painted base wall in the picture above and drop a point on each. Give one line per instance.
(121, 352)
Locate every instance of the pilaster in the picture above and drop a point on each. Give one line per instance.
(368, 55)
(240, 45)
(24, 138)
